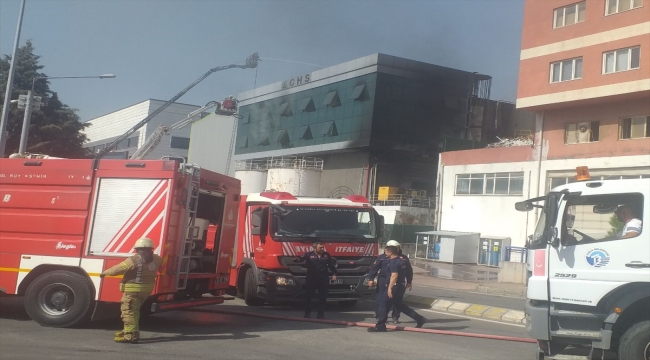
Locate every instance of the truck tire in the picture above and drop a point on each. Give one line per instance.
(250, 290)
(60, 299)
(635, 343)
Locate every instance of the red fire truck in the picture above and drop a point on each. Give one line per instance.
(64, 221)
(275, 227)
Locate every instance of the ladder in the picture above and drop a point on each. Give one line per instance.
(190, 230)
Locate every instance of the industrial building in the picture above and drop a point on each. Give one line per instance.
(585, 73)
(105, 129)
(377, 121)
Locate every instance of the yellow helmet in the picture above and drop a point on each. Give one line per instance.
(144, 243)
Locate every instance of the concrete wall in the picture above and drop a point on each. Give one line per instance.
(210, 143)
(346, 170)
(512, 272)
(493, 215)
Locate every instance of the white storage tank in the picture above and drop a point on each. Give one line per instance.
(252, 174)
(297, 176)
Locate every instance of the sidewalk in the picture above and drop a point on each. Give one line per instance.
(466, 278)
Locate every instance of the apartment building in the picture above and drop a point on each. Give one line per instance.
(585, 72)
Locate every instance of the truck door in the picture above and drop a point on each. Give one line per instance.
(591, 258)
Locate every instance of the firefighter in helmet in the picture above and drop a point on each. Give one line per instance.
(137, 284)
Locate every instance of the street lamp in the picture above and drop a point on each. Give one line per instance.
(30, 104)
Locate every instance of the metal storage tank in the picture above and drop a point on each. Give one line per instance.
(252, 174)
(297, 176)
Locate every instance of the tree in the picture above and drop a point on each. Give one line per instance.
(55, 129)
(616, 225)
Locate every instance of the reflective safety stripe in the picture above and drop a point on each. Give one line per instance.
(131, 287)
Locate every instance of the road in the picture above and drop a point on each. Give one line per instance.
(201, 333)
(470, 297)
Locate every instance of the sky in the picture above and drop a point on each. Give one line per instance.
(158, 47)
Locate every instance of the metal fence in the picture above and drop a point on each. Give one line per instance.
(403, 200)
(282, 162)
(516, 254)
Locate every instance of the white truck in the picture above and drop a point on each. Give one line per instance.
(590, 283)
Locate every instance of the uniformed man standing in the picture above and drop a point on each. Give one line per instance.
(393, 292)
(137, 284)
(318, 263)
(381, 266)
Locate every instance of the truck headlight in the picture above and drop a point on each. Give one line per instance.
(284, 281)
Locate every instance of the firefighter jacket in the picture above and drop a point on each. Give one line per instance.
(139, 276)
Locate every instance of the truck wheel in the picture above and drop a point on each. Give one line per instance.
(59, 299)
(635, 343)
(250, 290)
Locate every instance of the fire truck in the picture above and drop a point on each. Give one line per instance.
(64, 221)
(590, 283)
(276, 227)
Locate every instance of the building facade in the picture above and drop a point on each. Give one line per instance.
(374, 121)
(105, 129)
(585, 73)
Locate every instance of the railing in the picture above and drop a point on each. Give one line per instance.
(403, 200)
(282, 162)
(516, 254)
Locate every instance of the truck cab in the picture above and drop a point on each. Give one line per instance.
(277, 227)
(590, 283)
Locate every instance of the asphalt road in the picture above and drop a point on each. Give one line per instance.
(507, 302)
(201, 333)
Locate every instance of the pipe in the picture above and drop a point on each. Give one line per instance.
(366, 325)
(539, 161)
(367, 181)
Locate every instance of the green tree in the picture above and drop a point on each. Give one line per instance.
(616, 225)
(55, 129)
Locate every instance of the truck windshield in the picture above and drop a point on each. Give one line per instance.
(355, 224)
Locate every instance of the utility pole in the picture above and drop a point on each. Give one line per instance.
(10, 83)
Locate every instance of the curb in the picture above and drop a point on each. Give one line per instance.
(472, 310)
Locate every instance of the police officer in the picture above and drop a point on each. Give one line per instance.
(318, 262)
(381, 265)
(392, 293)
(137, 284)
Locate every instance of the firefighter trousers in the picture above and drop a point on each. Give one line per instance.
(313, 284)
(130, 307)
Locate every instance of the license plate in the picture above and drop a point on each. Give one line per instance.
(335, 282)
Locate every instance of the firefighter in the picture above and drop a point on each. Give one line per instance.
(381, 266)
(137, 284)
(317, 279)
(392, 293)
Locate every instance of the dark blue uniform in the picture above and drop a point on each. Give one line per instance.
(381, 266)
(317, 279)
(398, 266)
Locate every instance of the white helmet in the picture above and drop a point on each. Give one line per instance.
(16, 156)
(144, 243)
(393, 243)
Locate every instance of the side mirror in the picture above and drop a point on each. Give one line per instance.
(259, 222)
(555, 241)
(524, 206)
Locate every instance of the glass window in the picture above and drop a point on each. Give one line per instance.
(306, 105)
(582, 132)
(332, 99)
(178, 142)
(595, 218)
(243, 142)
(617, 6)
(490, 184)
(570, 14)
(285, 110)
(358, 92)
(566, 70)
(621, 60)
(634, 128)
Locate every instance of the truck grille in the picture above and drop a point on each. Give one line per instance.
(345, 265)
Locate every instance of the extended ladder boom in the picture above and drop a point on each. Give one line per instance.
(251, 63)
(154, 139)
